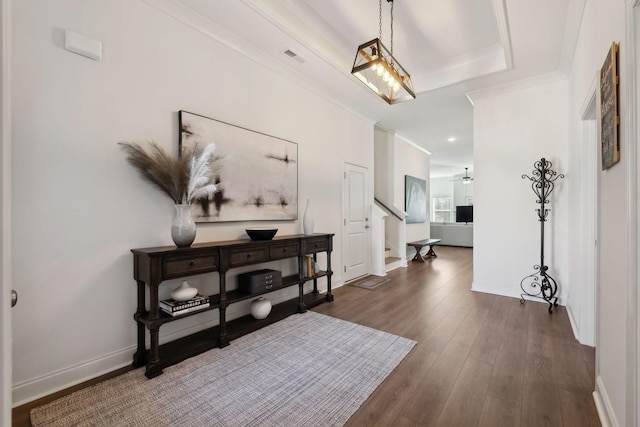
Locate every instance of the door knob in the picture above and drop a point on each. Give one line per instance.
(14, 298)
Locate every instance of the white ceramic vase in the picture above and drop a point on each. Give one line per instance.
(307, 219)
(260, 308)
(183, 228)
(184, 292)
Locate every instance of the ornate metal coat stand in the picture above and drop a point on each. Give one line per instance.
(540, 284)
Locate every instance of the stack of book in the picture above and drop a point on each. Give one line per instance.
(176, 308)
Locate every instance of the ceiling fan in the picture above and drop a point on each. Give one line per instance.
(466, 179)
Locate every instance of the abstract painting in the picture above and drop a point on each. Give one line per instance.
(257, 174)
(415, 199)
(609, 116)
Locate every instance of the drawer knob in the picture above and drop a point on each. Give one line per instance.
(317, 244)
(249, 255)
(192, 263)
(284, 250)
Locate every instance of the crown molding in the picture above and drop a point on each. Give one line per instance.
(541, 80)
(502, 21)
(465, 67)
(406, 140)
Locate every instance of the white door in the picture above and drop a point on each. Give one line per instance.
(356, 222)
(5, 273)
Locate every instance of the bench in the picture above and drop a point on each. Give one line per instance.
(419, 244)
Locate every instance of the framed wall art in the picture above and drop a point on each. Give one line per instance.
(609, 117)
(257, 174)
(415, 199)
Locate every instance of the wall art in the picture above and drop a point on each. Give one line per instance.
(257, 173)
(609, 117)
(415, 199)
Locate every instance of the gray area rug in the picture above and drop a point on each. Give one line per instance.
(370, 282)
(306, 370)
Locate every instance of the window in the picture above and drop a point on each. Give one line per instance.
(441, 209)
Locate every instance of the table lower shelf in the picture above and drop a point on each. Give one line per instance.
(183, 348)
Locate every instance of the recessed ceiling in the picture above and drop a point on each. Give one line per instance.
(449, 47)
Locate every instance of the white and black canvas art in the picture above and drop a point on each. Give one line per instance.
(257, 174)
(415, 199)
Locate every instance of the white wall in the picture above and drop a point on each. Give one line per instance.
(514, 128)
(604, 22)
(461, 193)
(383, 158)
(79, 208)
(410, 160)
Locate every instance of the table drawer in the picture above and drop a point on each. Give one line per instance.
(186, 266)
(239, 257)
(284, 251)
(314, 245)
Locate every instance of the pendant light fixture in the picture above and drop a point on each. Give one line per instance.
(376, 67)
(466, 179)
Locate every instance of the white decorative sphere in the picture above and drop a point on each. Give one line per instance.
(260, 308)
(184, 292)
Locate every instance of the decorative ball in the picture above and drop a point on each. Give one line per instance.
(260, 308)
(184, 292)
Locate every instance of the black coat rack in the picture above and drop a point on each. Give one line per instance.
(540, 284)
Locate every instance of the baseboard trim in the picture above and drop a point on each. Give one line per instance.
(51, 383)
(57, 381)
(603, 405)
(512, 293)
(574, 325)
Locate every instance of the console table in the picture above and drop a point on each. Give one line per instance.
(151, 266)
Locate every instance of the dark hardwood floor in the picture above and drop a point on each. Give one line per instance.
(480, 359)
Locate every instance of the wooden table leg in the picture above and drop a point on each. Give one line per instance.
(418, 256)
(431, 253)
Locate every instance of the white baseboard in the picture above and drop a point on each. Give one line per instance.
(574, 324)
(45, 385)
(603, 406)
(512, 292)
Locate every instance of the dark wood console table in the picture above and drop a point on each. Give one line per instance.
(151, 266)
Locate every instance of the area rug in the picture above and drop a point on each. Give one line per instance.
(370, 282)
(306, 370)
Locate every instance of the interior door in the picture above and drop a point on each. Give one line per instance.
(5, 272)
(356, 222)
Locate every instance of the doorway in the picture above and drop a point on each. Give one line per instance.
(586, 301)
(356, 214)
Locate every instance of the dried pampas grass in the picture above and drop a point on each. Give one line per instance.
(185, 180)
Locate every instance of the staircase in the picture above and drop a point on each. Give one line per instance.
(391, 262)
